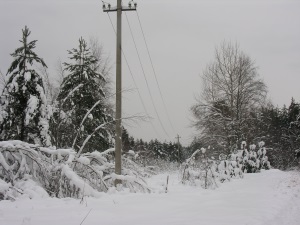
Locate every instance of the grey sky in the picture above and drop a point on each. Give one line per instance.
(181, 35)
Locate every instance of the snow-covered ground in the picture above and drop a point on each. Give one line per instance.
(268, 198)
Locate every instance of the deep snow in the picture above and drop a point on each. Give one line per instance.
(267, 198)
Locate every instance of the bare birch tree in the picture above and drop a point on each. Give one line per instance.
(231, 93)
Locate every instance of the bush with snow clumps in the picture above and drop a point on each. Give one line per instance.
(62, 172)
(199, 169)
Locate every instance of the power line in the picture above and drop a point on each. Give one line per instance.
(154, 72)
(142, 67)
(135, 84)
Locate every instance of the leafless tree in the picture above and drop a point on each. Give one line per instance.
(231, 92)
(103, 64)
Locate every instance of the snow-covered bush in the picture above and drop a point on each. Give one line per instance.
(200, 169)
(229, 168)
(252, 160)
(64, 173)
(4, 187)
(24, 188)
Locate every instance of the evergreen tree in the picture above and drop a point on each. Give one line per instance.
(139, 145)
(172, 151)
(281, 132)
(125, 140)
(294, 124)
(160, 150)
(131, 142)
(24, 110)
(81, 93)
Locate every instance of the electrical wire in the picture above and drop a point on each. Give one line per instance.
(154, 72)
(135, 84)
(142, 67)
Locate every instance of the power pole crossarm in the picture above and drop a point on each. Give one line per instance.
(118, 137)
(131, 7)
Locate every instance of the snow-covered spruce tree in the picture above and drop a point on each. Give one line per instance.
(81, 104)
(24, 112)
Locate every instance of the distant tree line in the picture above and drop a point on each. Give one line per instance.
(152, 150)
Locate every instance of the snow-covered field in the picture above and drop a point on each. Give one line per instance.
(267, 198)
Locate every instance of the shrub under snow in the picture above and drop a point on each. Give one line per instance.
(199, 169)
(61, 172)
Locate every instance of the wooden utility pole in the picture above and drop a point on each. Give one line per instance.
(118, 137)
(178, 146)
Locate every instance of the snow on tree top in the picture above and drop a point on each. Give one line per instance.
(32, 106)
(244, 144)
(261, 144)
(131, 152)
(203, 150)
(84, 160)
(27, 76)
(90, 116)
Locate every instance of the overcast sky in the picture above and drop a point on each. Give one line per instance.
(181, 35)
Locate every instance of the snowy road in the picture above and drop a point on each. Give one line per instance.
(269, 198)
